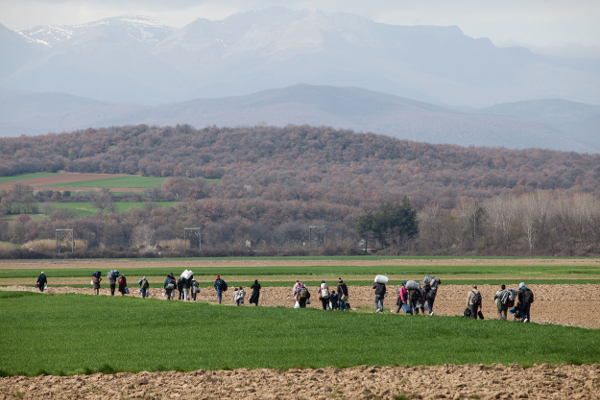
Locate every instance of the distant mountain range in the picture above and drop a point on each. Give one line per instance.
(553, 124)
(142, 60)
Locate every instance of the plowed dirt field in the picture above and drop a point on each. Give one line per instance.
(440, 382)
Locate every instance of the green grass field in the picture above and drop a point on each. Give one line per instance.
(142, 182)
(398, 273)
(70, 334)
(83, 209)
(24, 177)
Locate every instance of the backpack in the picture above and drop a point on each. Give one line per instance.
(120, 280)
(414, 294)
(241, 294)
(527, 296)
(115, 273)
(303, 293)
(145, 283)
(170, 284)
(222, 285)
(476, 299)
(97, 274)
(380, 289)
(505, 297)
(324, 293)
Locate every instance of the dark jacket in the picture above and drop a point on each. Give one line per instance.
(522, 295)
(376, 286)
(334, 297)
(342, 288)
(123, 285)
(187, 283)
(42, 280)
(255, 293)
(180, 284)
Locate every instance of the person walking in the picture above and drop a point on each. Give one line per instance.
(334, 300)
(295, 289)
(302, 295)
(220, 287)
(380, 291)
(430, 292)
(501, 298)
(112, 280)
(402, 296)
(255, 292)
(169, 286)
(180, 287)
(474, 301)
(42, 281)
(122, 285)
(144, 287)
(187, 285)
(195, 289)
(96, 279)
(526, 299)
(342, 290)
(413, 298)
(324, 294)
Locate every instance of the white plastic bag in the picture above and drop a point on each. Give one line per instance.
(45, 287)
(297, 305)
(381, 279)
(92, 282)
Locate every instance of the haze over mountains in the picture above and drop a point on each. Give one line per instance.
(335, 69)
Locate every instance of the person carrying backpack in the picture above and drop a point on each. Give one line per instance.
(380, 291)
(430, 286)
(187, 285)
(324, 294)
(112, 280)
(180, 287)
(302, 295)
(526, 299)
(342, 290)
(96, 279)
(474, 301)
(502, 298)
(169, 286)
(144, 287)
(41, 281)
(195, 289)
(220, 287)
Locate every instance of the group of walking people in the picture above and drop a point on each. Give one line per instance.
(330, 300)
(517, 302)
(413, 297)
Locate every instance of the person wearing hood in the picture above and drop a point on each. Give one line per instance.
(255, 292)
(342, 290)
(324, 294)
(144, 287)
(42, 281)
(526, 299)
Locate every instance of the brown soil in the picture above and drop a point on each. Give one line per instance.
(564, 304)
(190, 264)
(66, 177)
(439, 382)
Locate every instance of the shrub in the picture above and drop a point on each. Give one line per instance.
(49, 245)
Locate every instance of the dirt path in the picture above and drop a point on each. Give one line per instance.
(440, 382)
(564, 304)
(190, 264)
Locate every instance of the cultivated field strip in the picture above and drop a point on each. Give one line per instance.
(364, 382)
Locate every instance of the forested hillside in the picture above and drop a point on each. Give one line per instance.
(305, 163)
(275, 182)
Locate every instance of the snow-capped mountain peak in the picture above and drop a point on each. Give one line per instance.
(145, 29)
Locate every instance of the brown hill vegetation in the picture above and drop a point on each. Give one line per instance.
(277, 181)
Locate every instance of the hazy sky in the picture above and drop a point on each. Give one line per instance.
(570, 27)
